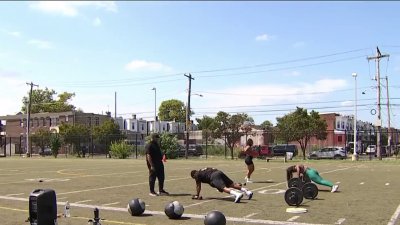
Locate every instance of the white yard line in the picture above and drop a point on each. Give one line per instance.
(250, 215)
(113, 203)
(15, 194)
(293, 218)
(395, 216)
(162, 213)
(78, 202)
(340, 221)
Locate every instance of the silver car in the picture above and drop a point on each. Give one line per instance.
(329, 153)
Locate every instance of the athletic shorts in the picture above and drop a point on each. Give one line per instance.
(219, 181)
(248, 160)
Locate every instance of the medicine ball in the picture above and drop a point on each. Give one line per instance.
(136, 207)
(174, 210)
(215, 218)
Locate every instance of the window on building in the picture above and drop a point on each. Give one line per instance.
(339, 138)
(43, 121)
(337, 124)
(89, 121)
(97, 121)
(22, 123)
(133, 126)
(343, 125)
(142, 127)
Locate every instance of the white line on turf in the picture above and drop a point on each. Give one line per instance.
(340, 221)
(250, 215)
(362, 183)
(394, 217)
(293, 218)
(89, 200)
(113, 203)
(162, 213)
(15, 194)
(387, 184)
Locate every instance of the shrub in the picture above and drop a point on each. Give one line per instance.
(120, 150)
(55, 145)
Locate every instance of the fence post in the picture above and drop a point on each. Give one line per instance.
(136, 145)
(206, 144)
(225, 146)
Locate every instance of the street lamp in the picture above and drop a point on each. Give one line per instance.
(155, 107)
(354, 157)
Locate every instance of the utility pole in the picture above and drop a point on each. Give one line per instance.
(188, 114)
(389, 145)
(115, 106)
(379, 120)
(29, 153)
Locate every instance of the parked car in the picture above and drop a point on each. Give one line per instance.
(46, 151)
(371, 150)
(194, 150)
(280, 150)
(265, 151)
(328, 153)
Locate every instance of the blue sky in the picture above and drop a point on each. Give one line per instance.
(261, 58)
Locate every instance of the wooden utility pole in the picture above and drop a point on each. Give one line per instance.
(378, 123)
(188, 114)
(29, 153)
(389, 145)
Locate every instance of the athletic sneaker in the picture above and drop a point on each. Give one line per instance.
(335, 188)
(238, 196)
(163, 192)
(249, 194)
(153, 194)
(248, 180)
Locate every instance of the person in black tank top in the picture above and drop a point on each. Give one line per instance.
(217, 179)
(249, 159)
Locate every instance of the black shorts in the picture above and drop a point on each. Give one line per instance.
(248, 160)
(219, 180)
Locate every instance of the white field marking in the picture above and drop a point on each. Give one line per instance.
(338, 182)
(111, 187)
(394, 217)
(78, 202)
(15, 194)
(61, 198)
(340, 221)
(113, 203)
(293, 218)
(272, 191)
(70, 173)
(162, 213)
(362, 183)
(199, 203)
(250, 215)
(387, 184)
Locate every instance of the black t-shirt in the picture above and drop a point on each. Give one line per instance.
(204, 175)
(154, 150)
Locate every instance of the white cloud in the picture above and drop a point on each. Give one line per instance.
(145, 65)
(295, 73)
(16, 34)
(299, 44)
(263, 37)
(11, 95)
(97, 22)
(347, 103)
(71, 8)
(40, 44)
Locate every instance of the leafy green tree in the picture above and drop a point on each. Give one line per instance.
(41, 138)
(74, 135)
(43, 101)
(120, 150)
(169, 145)
(55, 144)
(266, 125)
(173, 110)
(207, 125)
(229, 128)
(301, 127)
(107, 133)
(269, 131)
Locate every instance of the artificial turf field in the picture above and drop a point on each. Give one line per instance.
(369, 191)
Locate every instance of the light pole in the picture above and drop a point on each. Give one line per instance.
(188, 123)
(354, 157)
(155, 107)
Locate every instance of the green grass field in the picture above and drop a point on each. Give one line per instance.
(369, 191)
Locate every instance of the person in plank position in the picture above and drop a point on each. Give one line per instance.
(313, 174)
(217, 179)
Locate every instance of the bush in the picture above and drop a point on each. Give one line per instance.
(55, 145)
(120, 150)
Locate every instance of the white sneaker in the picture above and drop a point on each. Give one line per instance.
(248, 180)
(335, 188)
(249, 195)
(238, 196)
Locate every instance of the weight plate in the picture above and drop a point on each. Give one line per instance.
(310, 191)
(295, 182)
(293, 196)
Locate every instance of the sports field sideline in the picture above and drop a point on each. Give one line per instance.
(369, 191)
